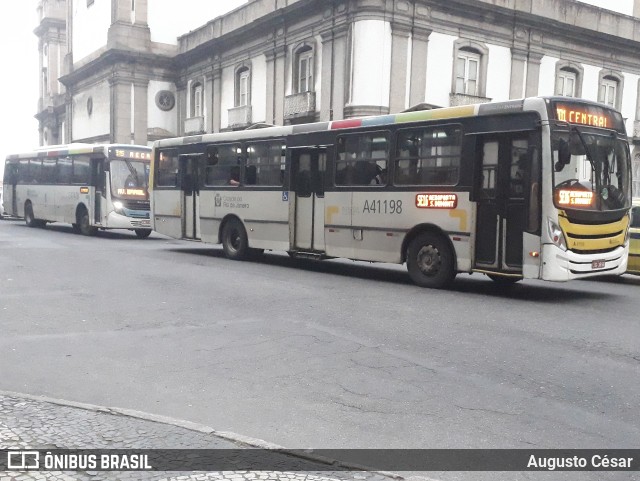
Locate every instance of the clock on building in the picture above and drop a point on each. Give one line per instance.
(165, 100)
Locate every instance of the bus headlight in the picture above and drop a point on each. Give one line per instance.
(118, 207)
(556, 235)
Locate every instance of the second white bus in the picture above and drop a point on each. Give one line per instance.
(92, 187)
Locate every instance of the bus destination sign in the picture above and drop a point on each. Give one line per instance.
(436, 201)
(132, 154)
(575, 198)
(590, 115)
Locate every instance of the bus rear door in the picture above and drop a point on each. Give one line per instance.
(308, 167)
(501, 202)
(10, 200)
(190, 187)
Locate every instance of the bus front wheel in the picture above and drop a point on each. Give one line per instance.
(234, 240)
(84, 225)
(430, 261)
(142, 233)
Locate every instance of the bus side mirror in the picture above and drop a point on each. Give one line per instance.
(564, 155)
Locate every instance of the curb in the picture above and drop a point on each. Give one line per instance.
(201, 428)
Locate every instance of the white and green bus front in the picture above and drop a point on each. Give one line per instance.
(585, 220)
(128, 203)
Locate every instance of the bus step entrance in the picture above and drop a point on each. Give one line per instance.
(308, 255)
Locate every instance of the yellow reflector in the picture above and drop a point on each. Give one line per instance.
(84, 190)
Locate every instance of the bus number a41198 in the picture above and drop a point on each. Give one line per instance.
(382, 207)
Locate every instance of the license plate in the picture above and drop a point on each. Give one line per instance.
(597, 264)
(145, 223)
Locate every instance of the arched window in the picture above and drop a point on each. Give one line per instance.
(303, 72)
(467, 70)
(569, 79)
(470, 68)
(243, 86)
(610, 88)
(196, 99)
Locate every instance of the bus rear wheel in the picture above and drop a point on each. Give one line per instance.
(142, 233)
(29, 219)
(234, 240)
(430, 261)
(84, 225)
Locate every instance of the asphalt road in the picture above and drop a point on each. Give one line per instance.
(325, 355)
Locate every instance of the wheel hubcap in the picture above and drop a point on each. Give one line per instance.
(429, 260)
(234, 240)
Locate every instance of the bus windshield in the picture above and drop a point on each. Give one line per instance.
(591, 171)
(129, 179)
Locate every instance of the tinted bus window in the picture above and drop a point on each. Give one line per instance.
(223, 164)
(24, 176)
(265, 163)
(48, 171)
(81, 169)
(428, 156)
(362, 159)
(65, 170)
(167, 169)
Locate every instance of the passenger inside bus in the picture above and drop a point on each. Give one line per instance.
(234, 175)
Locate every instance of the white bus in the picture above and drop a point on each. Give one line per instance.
(89, 186)
(535, 188)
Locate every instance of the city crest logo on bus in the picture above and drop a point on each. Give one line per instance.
(436, 201)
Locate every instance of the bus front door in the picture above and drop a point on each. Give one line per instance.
(501, 203)
(100, 193)
(308, 166)
(190, 187)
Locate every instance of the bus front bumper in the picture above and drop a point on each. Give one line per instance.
(559, 265)
(119, 221)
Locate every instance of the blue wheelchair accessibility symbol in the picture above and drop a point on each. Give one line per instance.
(285, 196)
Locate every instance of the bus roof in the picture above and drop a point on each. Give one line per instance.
(490, 108)
(74, 149)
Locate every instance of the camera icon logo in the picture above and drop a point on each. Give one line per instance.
(21, 460)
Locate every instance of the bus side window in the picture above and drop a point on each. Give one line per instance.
(224, 165)
(167, 169)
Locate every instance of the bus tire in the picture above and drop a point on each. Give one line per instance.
(234, 240)
(142, 233)
(29, 219)
(430, 261)
(83, 223)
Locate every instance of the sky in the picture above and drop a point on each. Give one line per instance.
(19, 55)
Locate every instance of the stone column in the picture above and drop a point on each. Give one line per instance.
(276, 76)
(335, 59)
(140, 113)
(120, 110)
(399, 57)
(211, 98)
(518, 62)
(326, 80)
(217, 99)
(181, 105)
(533, 74)
(419, 50)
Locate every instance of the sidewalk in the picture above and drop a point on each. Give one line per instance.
(28, 422)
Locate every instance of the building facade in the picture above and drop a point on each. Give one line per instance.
(108, 74)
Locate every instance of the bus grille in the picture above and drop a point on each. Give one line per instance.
(137, 204)
(594, 238)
